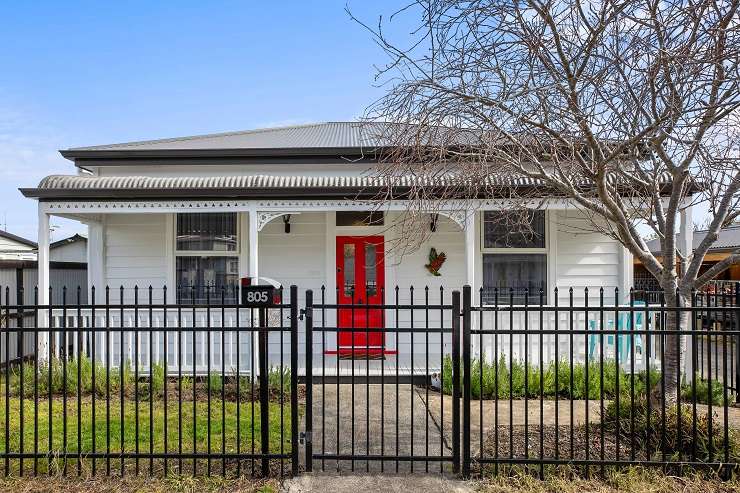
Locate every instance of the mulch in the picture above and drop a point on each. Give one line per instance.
(557, 442)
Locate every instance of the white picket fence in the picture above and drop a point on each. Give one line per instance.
(186, 350)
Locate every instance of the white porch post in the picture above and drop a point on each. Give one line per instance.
(470, 268)
(470, 250)
(254, 273)
(686, 245)
(253, 244)
(95, 260)
(43, 280)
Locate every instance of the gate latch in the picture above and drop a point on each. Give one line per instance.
(302, 312)
(304, 437)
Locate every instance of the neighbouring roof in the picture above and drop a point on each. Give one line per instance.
(18, 239)
(72, 239)
(66, 241)
(729, 239)
(249, 186)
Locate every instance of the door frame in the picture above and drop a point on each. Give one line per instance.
(381, 276)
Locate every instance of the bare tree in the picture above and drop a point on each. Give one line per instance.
(626, 108)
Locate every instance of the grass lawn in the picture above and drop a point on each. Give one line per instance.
(138, 484)
(631, 480)
(194, 429)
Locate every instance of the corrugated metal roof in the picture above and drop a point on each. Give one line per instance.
(77, 182)
(729, 238)
(64, 186)
(314, 135)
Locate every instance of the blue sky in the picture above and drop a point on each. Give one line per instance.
(85, 73)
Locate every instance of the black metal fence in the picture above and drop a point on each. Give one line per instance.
(584, 383)
(130, 384)
(425, 380)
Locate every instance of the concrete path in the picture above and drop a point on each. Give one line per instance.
(381, 428)
(403, 421)
(380, 483)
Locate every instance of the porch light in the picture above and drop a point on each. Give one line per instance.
(286, 222)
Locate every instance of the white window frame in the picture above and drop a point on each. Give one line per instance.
(546, 250)
(204, 253)
(207, 253)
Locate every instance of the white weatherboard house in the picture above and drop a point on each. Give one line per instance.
(292, 204)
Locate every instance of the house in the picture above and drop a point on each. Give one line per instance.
(296, 204)
(67, 268)
(13, 247)
(18, 267)
(727, 243)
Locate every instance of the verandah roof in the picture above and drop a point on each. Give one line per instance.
(241, 186)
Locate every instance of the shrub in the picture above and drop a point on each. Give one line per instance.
(703, 392)
(216, 383)
(276, 376)
(511, 379)
(649, 432)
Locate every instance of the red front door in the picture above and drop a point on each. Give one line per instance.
(360, 282)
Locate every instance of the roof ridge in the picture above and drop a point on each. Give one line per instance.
(211, 135)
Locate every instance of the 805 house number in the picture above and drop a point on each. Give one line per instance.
(257, 296)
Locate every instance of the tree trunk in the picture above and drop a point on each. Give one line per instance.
(675, 347)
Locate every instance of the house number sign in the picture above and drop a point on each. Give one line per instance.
(260, 296)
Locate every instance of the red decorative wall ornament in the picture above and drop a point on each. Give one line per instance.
(435, 261)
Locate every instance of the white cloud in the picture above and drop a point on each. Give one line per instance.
(28, 152)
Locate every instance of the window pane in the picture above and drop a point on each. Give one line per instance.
(205, 278)
(207, 232)
(505, 230)
(359, 218)
(518, 273)
(349, 269)
(371, 287)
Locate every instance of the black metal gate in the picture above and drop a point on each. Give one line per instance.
(379, 408)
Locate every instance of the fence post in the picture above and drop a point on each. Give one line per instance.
(264, 392)
(736, 311)
(309, 378)
(294, 378)
(466, 381)
(456, 382)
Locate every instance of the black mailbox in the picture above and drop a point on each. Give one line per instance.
(259, 296)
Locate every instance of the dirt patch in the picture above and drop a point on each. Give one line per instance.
(584, 443)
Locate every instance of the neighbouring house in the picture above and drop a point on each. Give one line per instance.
(727, 243)
(19, 273)
(66, 267)
(296, 204)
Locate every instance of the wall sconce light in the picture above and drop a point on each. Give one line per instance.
(286, 222)
(433, 224)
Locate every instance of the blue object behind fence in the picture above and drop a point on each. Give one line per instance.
(626, 322)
